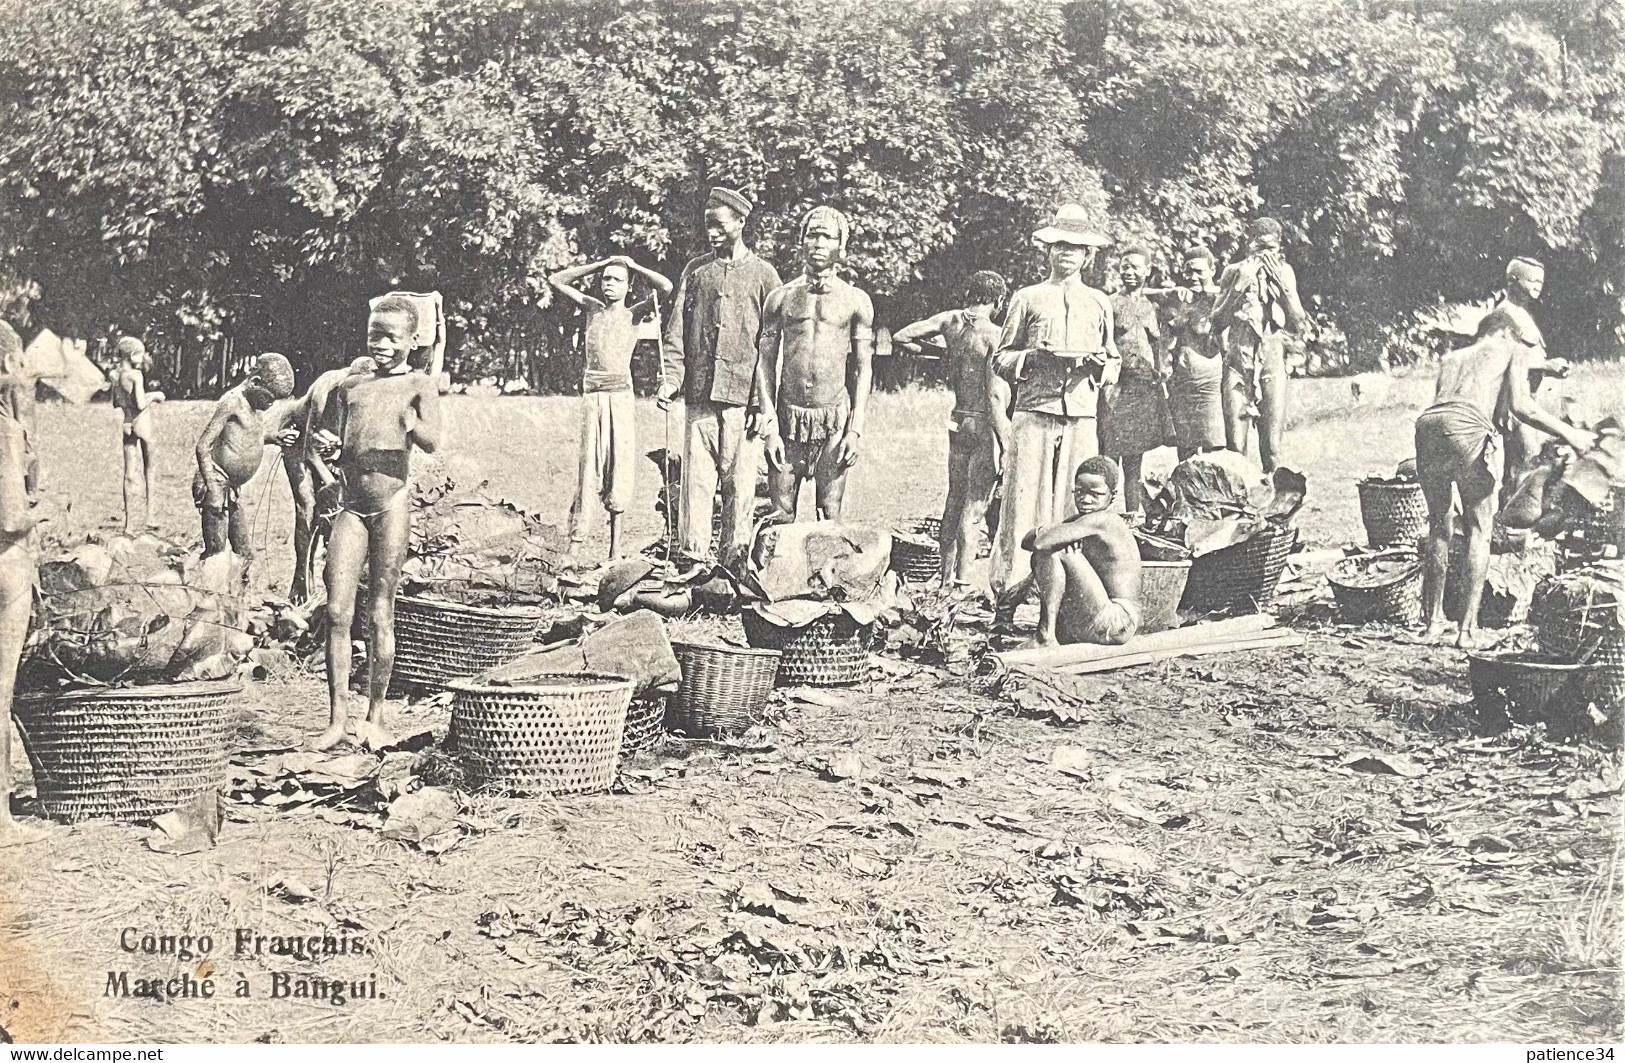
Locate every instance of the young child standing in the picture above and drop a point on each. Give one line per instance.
(608, 424)
(378, 417)
(16, 568)
(134, 401)
(1087, 567)
(979, 428)
(229, 452)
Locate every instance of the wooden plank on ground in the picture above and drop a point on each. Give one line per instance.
(1193, 635)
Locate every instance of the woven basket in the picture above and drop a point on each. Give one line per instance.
(645, 724)
(1394, 514)
(1240, 578)
(1524, 688)
(556, 734)
(1162, 586)
(438, 641)
(831, 651)
(724, 688)
(1396, 600)
(916, 563)
(1570, 623)
(128, 753)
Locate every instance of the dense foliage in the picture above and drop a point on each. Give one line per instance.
(193, 170)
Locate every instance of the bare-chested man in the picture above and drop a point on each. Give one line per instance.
(134, 400)
(229, 451)
(379, 417)
(1087, 567)
(313, 485)
(1483, 390)
(817, 349)
(16, 566)
(979, 427)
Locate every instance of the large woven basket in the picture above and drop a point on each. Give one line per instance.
(1525, 688)
(128, 753)
(1394, 513)
(912, 561)
(829, 652)
(1240, 578)
(1600, 536)
(1576, 619)
(1162, 586)
(1393, 598)
(557, 734)
(437, 641)
(724, 688)
(645, 724)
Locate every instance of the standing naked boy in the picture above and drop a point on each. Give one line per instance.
(379, 418)
(1058, 352)
(813, 415)
(1459, 440)
(1087, 567)
(979, 427)
(134, 401)
(1192, 363)
(1134, 411)
(608, 422)
(229, 451)
(710, 358)
(16, 567)
(1257, 301)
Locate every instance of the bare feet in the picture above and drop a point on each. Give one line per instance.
(372, 736)
(1435, 633)
(335, 734)
(13, 832)
(1471, 638)
(1039, 640)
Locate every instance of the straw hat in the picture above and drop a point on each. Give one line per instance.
(1070, 226)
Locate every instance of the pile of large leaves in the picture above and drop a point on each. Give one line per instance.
(469, 547)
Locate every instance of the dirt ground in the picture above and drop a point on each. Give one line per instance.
(1289, 845)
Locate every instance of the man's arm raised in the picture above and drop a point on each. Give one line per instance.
(564, 282)
(911, 335)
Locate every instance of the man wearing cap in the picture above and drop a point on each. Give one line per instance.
(1192, 362)
(1057, 351)
(820, 330)
(710, 358)
(1257, 301)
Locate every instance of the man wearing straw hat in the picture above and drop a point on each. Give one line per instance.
(1057, 351)
(710, 357)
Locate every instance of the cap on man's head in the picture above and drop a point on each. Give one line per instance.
(1525, 268)
(130, 347)
(1070, 226)
(274, 373)
(727, 197)
(1260, 228)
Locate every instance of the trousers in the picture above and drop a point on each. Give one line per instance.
(1045, 450)
(717, 451)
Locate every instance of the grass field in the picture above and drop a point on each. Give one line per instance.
(1267, 885)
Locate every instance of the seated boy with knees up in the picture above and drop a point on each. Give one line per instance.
(1087, 567)
(229, 452)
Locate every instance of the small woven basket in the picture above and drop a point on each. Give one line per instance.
(1162, 586)
(1394, 514)
(1239, 578)
(1396, 599)
(1525, 688)
(128, 753)
(831, 651)
(916, 563)
(724, 688)
(556, 734)
(1574, 617)
(437, 641)
(645, 724)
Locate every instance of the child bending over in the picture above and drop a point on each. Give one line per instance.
(1087, 567)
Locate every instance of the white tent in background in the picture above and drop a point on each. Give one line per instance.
(64, 367)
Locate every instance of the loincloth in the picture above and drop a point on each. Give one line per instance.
(1459, 437)
(813, 424)
(1116, 623)
(214, 492)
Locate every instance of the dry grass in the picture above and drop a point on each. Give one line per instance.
(1299, 901)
